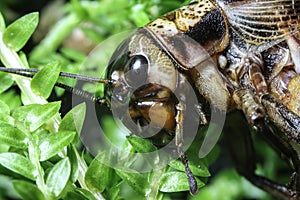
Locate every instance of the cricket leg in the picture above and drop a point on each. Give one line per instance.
(243, 155)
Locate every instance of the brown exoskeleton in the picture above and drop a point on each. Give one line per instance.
(236, 55)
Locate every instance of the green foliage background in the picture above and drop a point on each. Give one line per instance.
(40, 152)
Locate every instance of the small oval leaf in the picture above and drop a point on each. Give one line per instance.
(2, 23)
(73, 120)
(86, 193)
(18, 33)
(135, 179)
(6, 119)
(58, 177)
(176, 182)
(74, 163)
(19, 164)
(6, 81)
(200, 170)
(34, 115)
(28, 190)
(4, 108)
(11, 98)
(141, 145)
(80, 194)
(43, 82)
(98, 175)
(54, 143)
(12, 136)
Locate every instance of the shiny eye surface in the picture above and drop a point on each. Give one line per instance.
(137, 72)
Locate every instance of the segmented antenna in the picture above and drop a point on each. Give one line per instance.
(26, 71)
(191, 179)
(31, 72)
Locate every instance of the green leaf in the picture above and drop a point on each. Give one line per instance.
(141, 145)
(2, 23)
(28, 190)
(6, 119)
(112, 132)
(58, 177)
(34, 115)
(11, 98)
(23, 59)
(6, 81)
(73, 120)
(134, 179)
(18, 33)
(4, 108)
(12, 136)
(98, 175)
(43, 82)
(227, 184)
(200, 170)
(113, 192)
(80, 194)
(75, 196)
(86, 193)
(74, 163)
(19, 164)
(54, 143)
(176, 182)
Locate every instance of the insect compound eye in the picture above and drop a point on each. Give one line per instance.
(137, 73)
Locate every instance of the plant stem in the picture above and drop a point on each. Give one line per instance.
(34, 158)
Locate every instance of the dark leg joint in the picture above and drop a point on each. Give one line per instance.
(276, 190)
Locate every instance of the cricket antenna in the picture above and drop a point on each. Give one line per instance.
(191, 179)
(178, 141)
(31, 72)
(28, 72)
